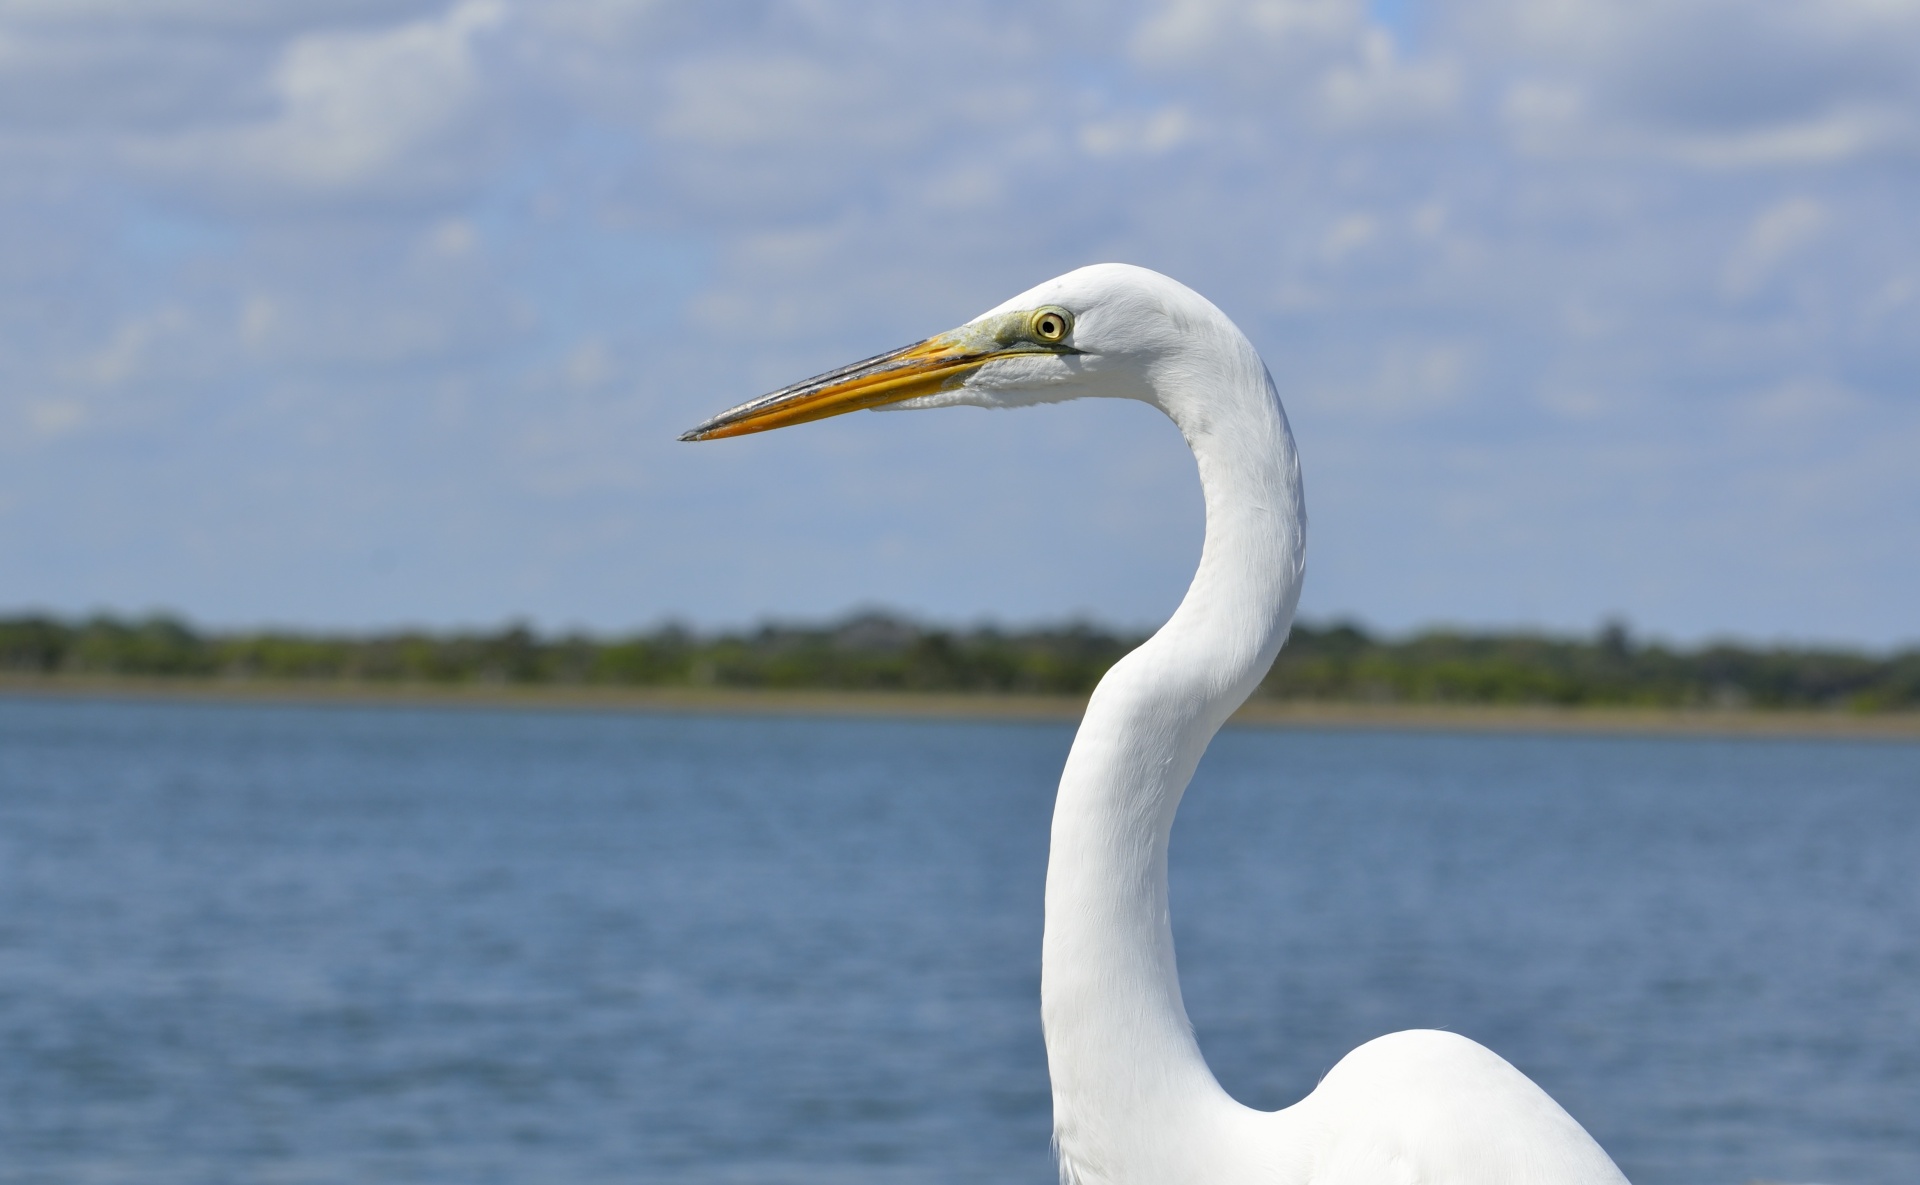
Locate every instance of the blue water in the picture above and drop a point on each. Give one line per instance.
(266, 944)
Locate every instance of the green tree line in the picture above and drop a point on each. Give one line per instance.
(879, 652)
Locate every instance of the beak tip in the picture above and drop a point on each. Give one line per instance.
(693, 434)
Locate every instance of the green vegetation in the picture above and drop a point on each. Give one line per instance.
(882, 653)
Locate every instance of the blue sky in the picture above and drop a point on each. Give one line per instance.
(360, 313)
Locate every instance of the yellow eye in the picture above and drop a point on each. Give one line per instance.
(1051, 325)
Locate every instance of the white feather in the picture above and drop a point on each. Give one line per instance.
(1134, 1102)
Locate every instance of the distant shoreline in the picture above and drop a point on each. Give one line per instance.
(1903, 725)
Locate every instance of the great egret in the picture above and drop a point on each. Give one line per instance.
(1133, 1100)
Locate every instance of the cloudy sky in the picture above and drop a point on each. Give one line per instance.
(373, 311)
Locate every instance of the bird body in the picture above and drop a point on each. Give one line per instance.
(1134, 1101)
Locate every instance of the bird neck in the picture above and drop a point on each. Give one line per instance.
(1121, 1051)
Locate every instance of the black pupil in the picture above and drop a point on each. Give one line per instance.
(1050, 325)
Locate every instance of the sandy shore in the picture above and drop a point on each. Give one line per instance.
(1701, 722)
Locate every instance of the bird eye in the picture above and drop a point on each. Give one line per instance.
(1051, 325)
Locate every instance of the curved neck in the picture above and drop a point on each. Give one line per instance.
(1120, 1049)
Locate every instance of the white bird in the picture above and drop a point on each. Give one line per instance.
(1134, 1102)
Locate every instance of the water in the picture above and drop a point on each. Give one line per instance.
(265, 944)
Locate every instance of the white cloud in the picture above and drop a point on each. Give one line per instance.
(132, 349)
(259, 316)
(353, 107)
(51, 419)
(1190, 32)
(1539, 235)
(1544, 116)
(1800, 403)
(1146, 134)
(1774, 236)
(1319, 61)
(752, 102)
(1380, 90)
(1351, 233)
(1828, 138)
(1712, 83)
(452, 238)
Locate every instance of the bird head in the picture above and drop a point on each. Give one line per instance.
(1098, 330)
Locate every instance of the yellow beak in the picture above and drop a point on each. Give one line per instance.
(937, 364)
(919, 369)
